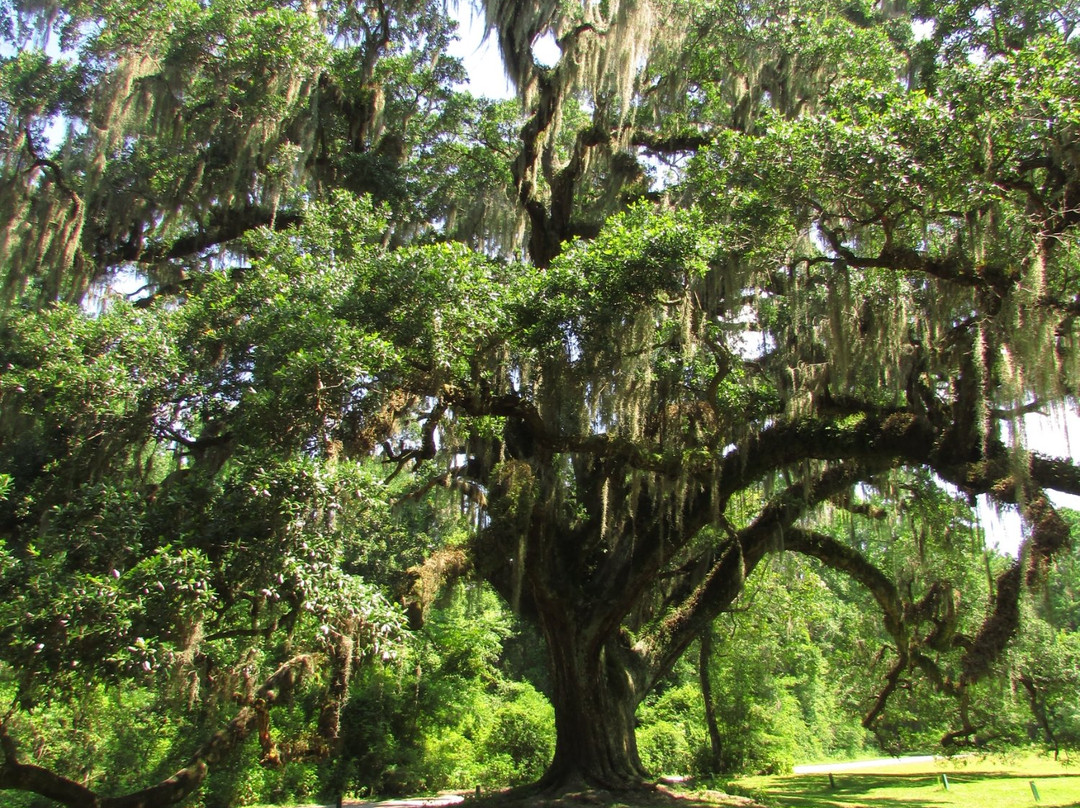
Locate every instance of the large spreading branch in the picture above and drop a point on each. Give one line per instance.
(890, 443)
(20, 776)
(840, 557)
(953, 268)
(224, 226)
(694, 609)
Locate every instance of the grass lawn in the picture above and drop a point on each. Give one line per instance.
(972, 783)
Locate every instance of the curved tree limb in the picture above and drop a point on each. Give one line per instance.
(901, 617)
(36, 779)
(665, 641)
(1048, 533)
(840, 557)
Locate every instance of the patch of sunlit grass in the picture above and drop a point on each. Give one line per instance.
(976, 782)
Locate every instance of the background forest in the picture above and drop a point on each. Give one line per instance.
(359, 434)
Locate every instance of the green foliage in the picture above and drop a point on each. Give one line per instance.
(671, 734)
(639, 256)
(1045, 665)
(114, 736)
(447, 715)
(786, 700)
(783, 679)
(733, 279)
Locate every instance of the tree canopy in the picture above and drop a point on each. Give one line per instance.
(724, 276)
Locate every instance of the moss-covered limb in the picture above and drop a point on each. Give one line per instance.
(786, 507)
(56, 171)
(953, 268)
(1023, 481)
(603, 46)
(1048, 532)
(1053, 200)
(28, 777)
(693, 604)
(564, 182)
(846, 502)
(901, 618)
(517, 408)
(38, 780)
(873, 436)
(851, 432)
(1002, 473)
(840, 557)
(892, 681)
(1001, 624)
(966, 733)
(440, 569)
(1037, 703)
(544, 244)
(223, 226)
(936, 676)
(1054, 473)
(1047, 535)
(1014, 481)
(870, 434)
(998, 628)
(667, 144)
(626, 570)
(665, 641)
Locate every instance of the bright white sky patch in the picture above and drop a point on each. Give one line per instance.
(546, 50)
(483, 62)
(1055, 434)
(923, 29)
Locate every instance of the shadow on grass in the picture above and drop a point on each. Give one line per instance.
(814, 790)
(871, 790)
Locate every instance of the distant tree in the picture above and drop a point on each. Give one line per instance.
(779, 687)
(1045, 663)
(733, 265)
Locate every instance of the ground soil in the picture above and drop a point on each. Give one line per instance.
(659, 797)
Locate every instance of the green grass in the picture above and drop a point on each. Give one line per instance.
(973, 783)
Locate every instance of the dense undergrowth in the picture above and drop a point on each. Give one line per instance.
(462, 704)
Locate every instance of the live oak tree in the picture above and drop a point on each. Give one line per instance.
(730, 269)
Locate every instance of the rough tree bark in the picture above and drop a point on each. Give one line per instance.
(595, 697)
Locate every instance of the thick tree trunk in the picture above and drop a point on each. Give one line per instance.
(596, 693)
